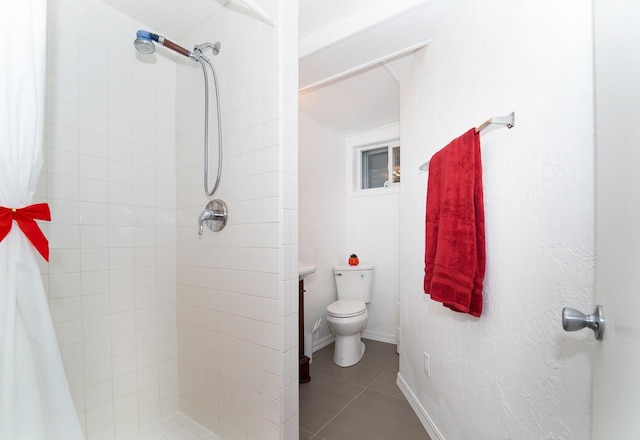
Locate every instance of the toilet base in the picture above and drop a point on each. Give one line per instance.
(348, 350)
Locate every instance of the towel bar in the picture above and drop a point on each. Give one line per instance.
(494, 122)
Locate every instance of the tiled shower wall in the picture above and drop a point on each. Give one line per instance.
(109, 177)
(123, 256)
(237, 288)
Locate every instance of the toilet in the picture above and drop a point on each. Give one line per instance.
(348, 316)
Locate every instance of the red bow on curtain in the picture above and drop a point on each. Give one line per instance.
(25, 217)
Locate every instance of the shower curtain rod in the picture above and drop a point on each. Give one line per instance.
(494, 122)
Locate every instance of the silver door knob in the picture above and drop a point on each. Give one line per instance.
(573, 320)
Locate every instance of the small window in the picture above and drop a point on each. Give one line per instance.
(376, 166)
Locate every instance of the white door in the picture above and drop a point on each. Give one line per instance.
(616, 399)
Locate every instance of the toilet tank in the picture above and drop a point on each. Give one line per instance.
(354, 282)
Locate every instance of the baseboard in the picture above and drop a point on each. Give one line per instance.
(424, 418)
(323, 342)
(380, 337)
(376, 336)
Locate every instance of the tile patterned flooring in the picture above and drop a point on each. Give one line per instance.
(355, 403)
(359, 402)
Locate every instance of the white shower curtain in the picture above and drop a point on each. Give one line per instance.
(35, 402)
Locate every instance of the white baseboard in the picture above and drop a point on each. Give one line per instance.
(323, 342)
(380, 337)
(419, 410)
(376, 336)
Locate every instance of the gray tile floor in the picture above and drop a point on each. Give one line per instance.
(359, 402)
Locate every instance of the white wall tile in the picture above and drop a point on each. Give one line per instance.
(69, 333)
(97, 350)
(125, 385)
(121, 279)
(122, 322)
(97, 395)
(66, 309)
(100, 416)
(94, 236)
(89, 179)
(95, 259)
(96, 328)
(64, 285)
(93, 213)
(125, 406)
(64, 260)
(97, 372)
(123, 343)
(121, 115)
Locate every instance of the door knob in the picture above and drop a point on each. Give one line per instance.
(573, 320)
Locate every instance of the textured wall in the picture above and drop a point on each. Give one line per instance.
(513, 373)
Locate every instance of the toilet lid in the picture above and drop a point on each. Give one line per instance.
(346, 308)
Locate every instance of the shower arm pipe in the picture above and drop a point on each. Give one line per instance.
(199, 48)
(171, 45)
(202, 60)
(176, 48)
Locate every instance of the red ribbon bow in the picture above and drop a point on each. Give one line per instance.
(25, 219)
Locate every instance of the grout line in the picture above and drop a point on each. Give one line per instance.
(315, 435)
(378, 376)
(367, 387)
(339, 412)
(382, 392)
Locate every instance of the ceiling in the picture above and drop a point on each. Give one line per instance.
(173, 18)
(353, 55)
(352, 52)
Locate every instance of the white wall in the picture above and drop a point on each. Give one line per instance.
(109, 177)
(513, 373)
(372, 221)
(321, 215)
(237, 288)
(335, 222)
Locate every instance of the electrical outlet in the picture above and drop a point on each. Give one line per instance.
(427, 364)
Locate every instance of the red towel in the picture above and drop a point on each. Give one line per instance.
(455, 249)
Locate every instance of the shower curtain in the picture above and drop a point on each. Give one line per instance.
(35, 402)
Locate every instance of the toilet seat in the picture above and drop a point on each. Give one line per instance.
(346, 308)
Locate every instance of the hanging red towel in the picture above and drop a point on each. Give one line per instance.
(455, 248)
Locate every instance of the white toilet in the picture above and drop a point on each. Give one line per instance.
(348, 316)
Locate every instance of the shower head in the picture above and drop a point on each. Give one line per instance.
(144, 44)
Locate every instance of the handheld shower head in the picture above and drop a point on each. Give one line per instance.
(144, 42)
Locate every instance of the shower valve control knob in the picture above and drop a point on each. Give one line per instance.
(214, 215)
